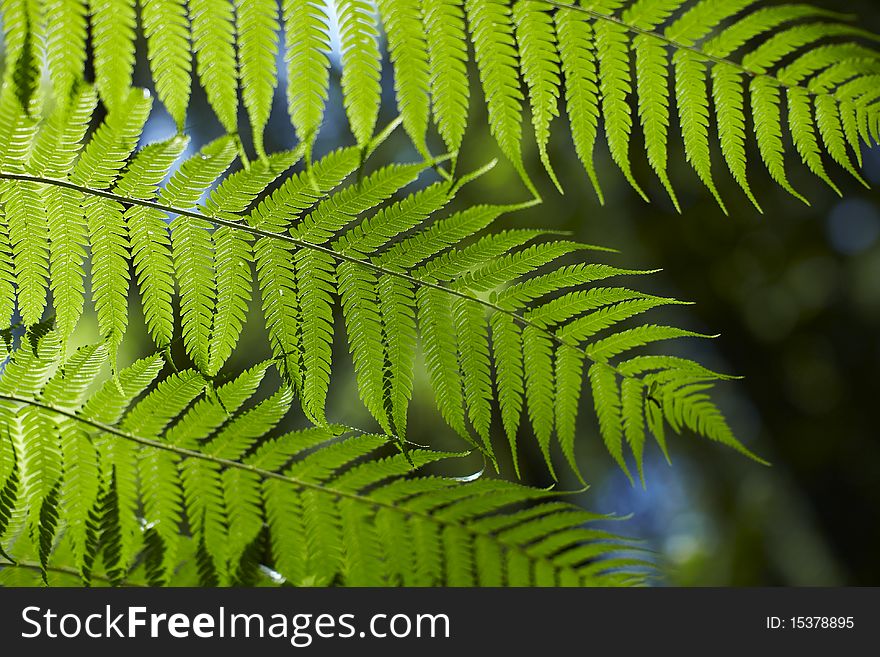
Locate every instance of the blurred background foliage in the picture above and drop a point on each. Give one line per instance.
(795, 295)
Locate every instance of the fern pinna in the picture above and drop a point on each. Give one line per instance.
(744, 66)
(150, 475)
(508, 323)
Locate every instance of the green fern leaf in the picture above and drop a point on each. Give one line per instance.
(193, 263)
(166, 27)
(626, 340)
(727, 93)
(427, 243)
(149, 417)
(9, 491)
(521, 294)
(101, 160)
(701, 18)
(803, 132)
(615, 85)
(234, 289)
(401, 273)
(275, 271)
(337, 211)
(361, 64)
(693, 106)
(113, 34)
(606, 399)
(757, 23)
(783, 43)
(828, 119)
(33, 439)
(632, 406)
(507, 354)
(408, 49)
(540, 65)
(27, 221)
(568, 374)
(765, 107)
(437, 327)
(554, 48)
(193, 247)
(80, 487)
(653, 91)
(316, 284)
(496, 54)
(257, 23)
(55, 150)
(472, 330)
(358, 287)
(307, 43)
(447, 47)
(578, 58)
(149, 237)
(375, 232)
(651, 83)
(540, 386)
(213, 44)
(397, 300)
(689, 405)
(65, 43)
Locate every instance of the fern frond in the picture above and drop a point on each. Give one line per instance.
(257, 23)
(578, 59)
(54, 153)
(541, 70)
(408, 48)
(66, 27)
(728, 96)
(577, 52)
(213, 44)
(507, 354)
(447, 46)
(803, 132)
(34, 442)
(495, 50)
(149, 236)
(612, 45)
(113, 39)
(316, 281)
(606, 398)
(693, 104)
(167, 30)
(99, 165)
(653, 88)
(361, 66)
(768, 130)
(540, 386)
(500, 314)
(27, 223)
(830, 123)
(307, 44)
(334, 505)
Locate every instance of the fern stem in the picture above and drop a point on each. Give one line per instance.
(266, 474)
(63, 570)
(185, 452)
(258, 232)
(681, 46)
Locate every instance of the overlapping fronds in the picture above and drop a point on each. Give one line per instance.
(510, 322)
(149, 477)
(793, 79)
